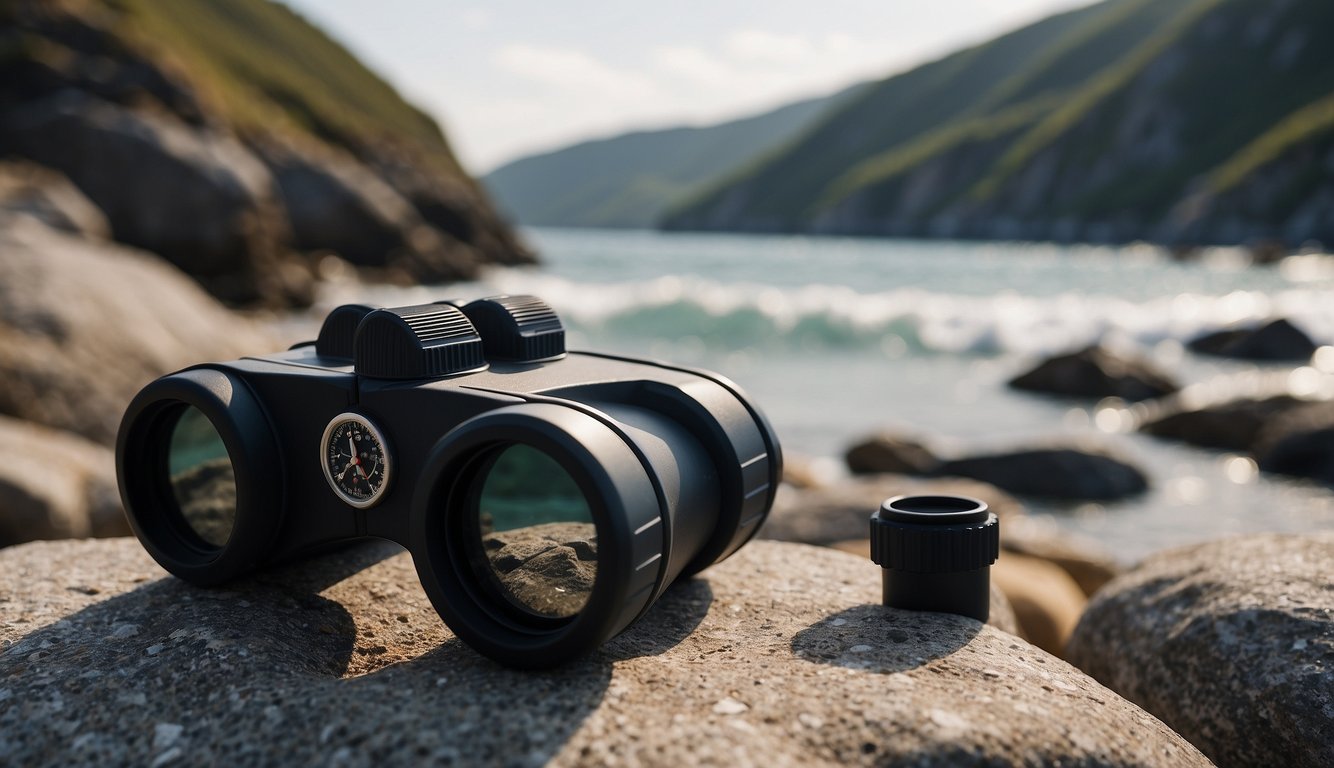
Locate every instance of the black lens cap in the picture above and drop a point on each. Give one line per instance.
(935, 552)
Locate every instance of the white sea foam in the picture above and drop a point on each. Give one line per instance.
(753, 315)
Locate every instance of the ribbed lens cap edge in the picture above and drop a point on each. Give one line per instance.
(934, 534)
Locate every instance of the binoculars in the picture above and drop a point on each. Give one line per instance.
(547, 498)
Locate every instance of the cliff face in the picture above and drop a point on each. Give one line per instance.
(1183, 121)
(236, 140)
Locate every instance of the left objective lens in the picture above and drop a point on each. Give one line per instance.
(203, 481)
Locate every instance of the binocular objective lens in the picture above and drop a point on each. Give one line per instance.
(537, 532)
(202, 480)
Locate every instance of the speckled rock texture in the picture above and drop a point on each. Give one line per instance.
(780, 656)
(1231, 643)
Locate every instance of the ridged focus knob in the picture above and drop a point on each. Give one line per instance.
(339, 331)
(421, 342)
(517, 328)
(934, 534)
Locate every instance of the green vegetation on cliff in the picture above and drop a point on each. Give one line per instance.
(264, 67)
(1126, 119)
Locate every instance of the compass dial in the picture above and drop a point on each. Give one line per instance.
(356, 462)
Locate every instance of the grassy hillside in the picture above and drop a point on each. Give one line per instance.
(633, 179)
(1116, 121)
(265, 68)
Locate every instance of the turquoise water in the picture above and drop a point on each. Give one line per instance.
(837, 337)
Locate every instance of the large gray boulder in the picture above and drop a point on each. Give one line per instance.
(85, 324)
(1096, 372)
(1231, 643)
(193, 195)
(55, 485)
(335, 203)
(779, 657)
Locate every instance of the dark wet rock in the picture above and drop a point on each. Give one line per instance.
(1085, 560)
(1299, 442)
(548, 568)
(885, 452)
(194, 196)
(49, 197)
(1057, 473)
(842, 510)
(1231, 643)
(55, 485)
(1097, 372)
(85, 324)
(1278, 340)
(1230, 426)
(335, 203)
(779, 656)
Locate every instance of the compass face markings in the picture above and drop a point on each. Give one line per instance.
(355, 461)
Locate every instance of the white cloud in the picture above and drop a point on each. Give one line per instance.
(759, 45)
(476, 18)
(766, 65)
(690, 63)
(572, 70)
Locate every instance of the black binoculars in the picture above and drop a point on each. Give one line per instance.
(547, 498)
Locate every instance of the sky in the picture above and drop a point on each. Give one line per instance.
(508, 78)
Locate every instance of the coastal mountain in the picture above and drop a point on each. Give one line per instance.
(1180, 121)
(632, 180)
(239, 142)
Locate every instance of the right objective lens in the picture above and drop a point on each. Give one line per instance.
(537, 532)
(203, 482)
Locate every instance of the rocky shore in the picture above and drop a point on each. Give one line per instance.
(780, 656)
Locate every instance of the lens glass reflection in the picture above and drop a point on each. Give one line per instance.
(202, 479)
(537, 532)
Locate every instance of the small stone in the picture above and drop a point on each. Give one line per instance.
(729, 706)
(166, 734)
(122, 631)
(154, 650)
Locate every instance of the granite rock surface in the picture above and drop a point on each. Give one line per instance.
(779, 656)
(1231, 643)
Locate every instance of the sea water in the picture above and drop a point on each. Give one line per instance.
(836, 338)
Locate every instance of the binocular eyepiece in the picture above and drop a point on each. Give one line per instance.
(547, 498)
